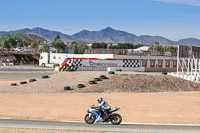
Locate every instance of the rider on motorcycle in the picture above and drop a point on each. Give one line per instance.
(105, 108)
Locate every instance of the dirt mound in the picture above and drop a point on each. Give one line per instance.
(142, 83)
(120, 82)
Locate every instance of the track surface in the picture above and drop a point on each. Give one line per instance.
(100, 126)
(19, 76)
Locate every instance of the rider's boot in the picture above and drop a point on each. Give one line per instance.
(99, 119)
(106, 117)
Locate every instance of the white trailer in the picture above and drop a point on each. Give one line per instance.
(56, 59)
(73, 64)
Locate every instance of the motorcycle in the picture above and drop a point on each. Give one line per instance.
(95, 112)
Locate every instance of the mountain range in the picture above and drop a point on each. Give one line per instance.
(105, 35)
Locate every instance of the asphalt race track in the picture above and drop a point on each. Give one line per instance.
(158, 128)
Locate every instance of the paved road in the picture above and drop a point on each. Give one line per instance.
(100, 127)
(24, 68)
(24, 76)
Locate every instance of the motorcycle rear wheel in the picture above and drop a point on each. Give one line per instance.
(115, 119)
(90, 120)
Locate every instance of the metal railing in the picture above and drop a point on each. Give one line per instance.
(92, 68)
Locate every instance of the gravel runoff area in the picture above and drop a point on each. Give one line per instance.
(119, 82)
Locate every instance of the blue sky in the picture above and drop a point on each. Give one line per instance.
(173, 19)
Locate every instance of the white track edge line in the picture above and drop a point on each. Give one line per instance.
(130, 123)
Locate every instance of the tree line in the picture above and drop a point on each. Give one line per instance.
(118, 46)
(56, 43)
(152, 47)
(13, 40)
(159, 48)
(19, 39)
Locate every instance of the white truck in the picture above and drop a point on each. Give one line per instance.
(56, 59)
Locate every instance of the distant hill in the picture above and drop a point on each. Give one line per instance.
(192, 41)
(152, 39)
(106, 35)
(44, 33)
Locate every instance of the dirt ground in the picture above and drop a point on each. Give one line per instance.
(164, 99)
(162, 107)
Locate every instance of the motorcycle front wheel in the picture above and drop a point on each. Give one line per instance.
(89, 120)
(115, 119)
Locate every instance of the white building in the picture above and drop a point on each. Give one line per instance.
(141, 49)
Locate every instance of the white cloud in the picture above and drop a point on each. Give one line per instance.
(187, 2)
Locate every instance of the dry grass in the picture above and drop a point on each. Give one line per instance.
(33, 130)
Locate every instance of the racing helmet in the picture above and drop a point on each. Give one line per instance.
(100, 100)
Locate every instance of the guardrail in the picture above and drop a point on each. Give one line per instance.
(92, 68)
(95, 68)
